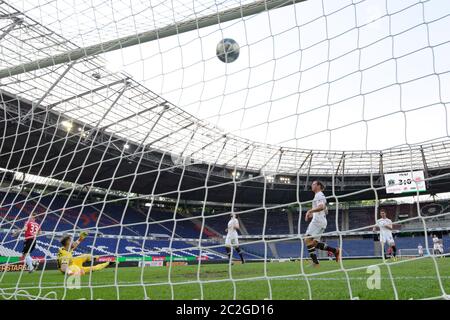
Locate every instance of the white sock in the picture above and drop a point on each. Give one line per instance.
(29, 262)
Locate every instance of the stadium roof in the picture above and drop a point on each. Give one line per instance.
(93, 97)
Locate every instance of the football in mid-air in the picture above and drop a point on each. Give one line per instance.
(227, 50)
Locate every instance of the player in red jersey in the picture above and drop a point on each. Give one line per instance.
(31, 229)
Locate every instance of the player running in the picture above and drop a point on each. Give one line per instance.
(385, 226)
(318, 224)
(32, 229)
(231, 241)
(74, 265)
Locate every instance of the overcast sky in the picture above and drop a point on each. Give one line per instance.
(336, 74)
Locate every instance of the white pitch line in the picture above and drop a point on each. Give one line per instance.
(295, 278)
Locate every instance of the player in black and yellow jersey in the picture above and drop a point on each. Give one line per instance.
(74, 265)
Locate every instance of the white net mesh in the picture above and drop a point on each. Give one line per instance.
(119, 119)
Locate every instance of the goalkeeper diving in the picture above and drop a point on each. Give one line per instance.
(71, 265)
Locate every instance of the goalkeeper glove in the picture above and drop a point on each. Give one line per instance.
(83, 235)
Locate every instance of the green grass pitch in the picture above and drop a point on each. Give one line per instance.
(412, 279)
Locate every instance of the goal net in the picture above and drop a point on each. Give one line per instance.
(132, 133)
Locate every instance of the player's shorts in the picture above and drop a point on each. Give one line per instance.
(387, 238)
(316, 229)
(28, 245)
(232, 240)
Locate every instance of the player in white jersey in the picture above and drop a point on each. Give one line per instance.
(231, 241)
(385, 226)
(318, 224)
(420, 250)
(435, 244)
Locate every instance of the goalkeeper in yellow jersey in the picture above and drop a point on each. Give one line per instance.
(74, 265)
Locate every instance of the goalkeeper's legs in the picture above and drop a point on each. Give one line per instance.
(325, 247)
(85, 258)
(394, 251)
(28, 247)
